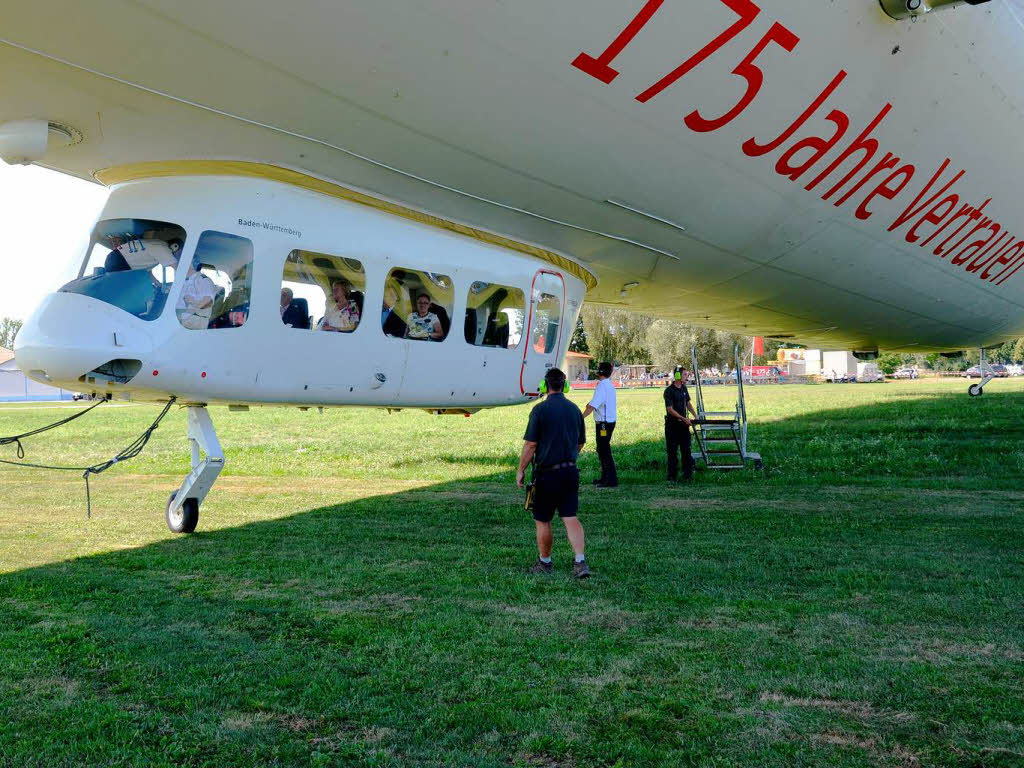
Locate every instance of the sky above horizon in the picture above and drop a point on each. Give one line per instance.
(45, 221)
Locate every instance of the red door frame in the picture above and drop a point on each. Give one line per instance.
(528, 331)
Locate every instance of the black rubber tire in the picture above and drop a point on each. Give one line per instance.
(188, 517)
(975, 390)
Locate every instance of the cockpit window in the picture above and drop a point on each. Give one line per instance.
(131, 264)
(217, 284)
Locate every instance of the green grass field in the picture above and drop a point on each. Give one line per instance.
(355, 594)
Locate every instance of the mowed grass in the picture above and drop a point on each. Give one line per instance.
(355, 593)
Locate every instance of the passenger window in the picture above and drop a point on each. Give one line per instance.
(494, 315)
(322, 292)
(547, 315)
(216, 286)
(417, 305)
(131, 265)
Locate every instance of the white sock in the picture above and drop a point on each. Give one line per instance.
(580, 558)
(545, 559)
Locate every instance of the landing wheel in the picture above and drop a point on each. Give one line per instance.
(185, 519)
(975, 390)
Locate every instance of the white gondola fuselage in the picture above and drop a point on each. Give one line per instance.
(498, 317)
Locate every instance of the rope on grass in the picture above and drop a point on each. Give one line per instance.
(16, 439)
(130, 451)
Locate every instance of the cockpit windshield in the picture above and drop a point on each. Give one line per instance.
(131, 264)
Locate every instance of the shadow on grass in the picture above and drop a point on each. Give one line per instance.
(728, 620)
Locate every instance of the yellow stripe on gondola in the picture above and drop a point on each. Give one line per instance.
(163, 169)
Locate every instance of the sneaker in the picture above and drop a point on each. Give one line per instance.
(541, 567)
(581, 570)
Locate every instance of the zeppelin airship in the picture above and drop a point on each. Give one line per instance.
(405, 203)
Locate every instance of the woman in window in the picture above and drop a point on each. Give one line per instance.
(344, 315)
(423, 324)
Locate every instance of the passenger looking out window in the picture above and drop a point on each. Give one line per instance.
(221, 266)
(294, 312)
(195, 303)
(342, 313)
(423, 324)
(424, 299)
(322, 292)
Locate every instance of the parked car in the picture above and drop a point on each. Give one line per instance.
(80, 396)
(1015, 370)
(906, 373)
(996, 370)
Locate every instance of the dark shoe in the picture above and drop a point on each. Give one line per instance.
(541, 567)
(581, 570)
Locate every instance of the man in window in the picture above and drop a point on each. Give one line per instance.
(291, 312)
(195, 304)
(389, 319)
(423, 324)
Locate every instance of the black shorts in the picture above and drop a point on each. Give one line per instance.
(556, 489)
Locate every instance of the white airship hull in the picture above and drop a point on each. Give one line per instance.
(489, 114)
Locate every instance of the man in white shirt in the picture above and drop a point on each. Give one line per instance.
(602, 405)
(195, 304)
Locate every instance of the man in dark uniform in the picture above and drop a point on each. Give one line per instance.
(677, 426)
(554, 437)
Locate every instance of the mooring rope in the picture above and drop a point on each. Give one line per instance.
(130, 451)
(16, 439)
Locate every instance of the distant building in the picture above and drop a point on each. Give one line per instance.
(16, 386)
(577, 366)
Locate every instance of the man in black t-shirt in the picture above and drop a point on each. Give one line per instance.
(554, 437)
(677, 426)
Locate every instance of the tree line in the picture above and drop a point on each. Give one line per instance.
(630, 338)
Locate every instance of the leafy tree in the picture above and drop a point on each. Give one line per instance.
(9, 328)
(889, 362)
(1018, 350)
(616, 335)
(670, 342)
(578, 343)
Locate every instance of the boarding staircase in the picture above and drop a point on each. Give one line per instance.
(721, 436)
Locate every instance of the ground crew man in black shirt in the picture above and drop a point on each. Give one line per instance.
(554, 437)
(677, 426)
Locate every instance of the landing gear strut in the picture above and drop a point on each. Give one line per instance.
(183, 505)
(977, 390)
